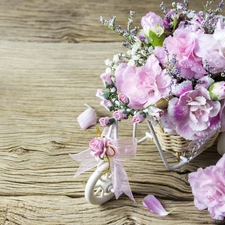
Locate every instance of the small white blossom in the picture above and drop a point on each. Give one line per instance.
(117, 102)
(108, 62)
(116, 58)
(131, 62)
(129, 52)
(136, 57)
(113, 89)
(108, 70)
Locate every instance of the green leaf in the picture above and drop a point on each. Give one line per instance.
(155, 39)
(106, 95)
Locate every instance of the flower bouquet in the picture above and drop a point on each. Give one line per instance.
(173, 74)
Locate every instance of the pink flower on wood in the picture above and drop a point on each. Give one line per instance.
(154, 205)
(208, 188)
(87, 118)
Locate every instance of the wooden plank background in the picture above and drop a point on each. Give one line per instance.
(51, 56)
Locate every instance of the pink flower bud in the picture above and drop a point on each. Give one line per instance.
(138, 118)
(106, 79)
(123, 98)
(87, 118)
(119, 115)
(152, 22)
(217, 90)
(104, 121)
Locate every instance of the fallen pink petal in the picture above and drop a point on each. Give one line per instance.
(87, 118)
(154, 205)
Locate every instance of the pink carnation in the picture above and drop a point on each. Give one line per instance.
(212, 48)
(208, 188)
(183, 44)
(142, 85)
(194, 115)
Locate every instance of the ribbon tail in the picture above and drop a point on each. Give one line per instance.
(120, 180)
(86, 161)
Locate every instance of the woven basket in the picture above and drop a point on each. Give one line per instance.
(177, 145)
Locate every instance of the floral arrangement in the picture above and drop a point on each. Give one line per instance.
(174, 71)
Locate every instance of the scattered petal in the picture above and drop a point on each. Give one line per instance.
(154, 205)
(87, 118)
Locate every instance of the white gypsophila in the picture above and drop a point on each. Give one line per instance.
(108, 70)
(129, 52)
(113, 89)
(136, 57)
(131, 62)
(108, 62)
(116, 58)
(117, 102)
(143, 52)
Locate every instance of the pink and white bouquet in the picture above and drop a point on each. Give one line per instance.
(174, 71)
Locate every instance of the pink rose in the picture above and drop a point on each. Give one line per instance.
(97, 147)
(217, 90)
(123, 98)
(104, 121)
(183, 44)
(138, 118)
(143, 85)
(194, 115)
(208, 188)
(106, 79)
(152, 22)
(119, 115)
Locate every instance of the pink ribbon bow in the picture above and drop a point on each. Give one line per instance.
(125, 149)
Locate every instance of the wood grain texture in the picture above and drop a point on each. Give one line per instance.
(44, 82)
(70, 21)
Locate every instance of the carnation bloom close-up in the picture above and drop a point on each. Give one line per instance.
(142, 85)
(208, 188)
(194, 115)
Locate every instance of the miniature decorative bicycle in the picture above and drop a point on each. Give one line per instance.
(99, 188)
(172, 76)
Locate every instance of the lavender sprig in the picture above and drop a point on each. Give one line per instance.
(128, 34)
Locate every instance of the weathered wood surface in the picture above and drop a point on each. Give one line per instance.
(43, 86)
